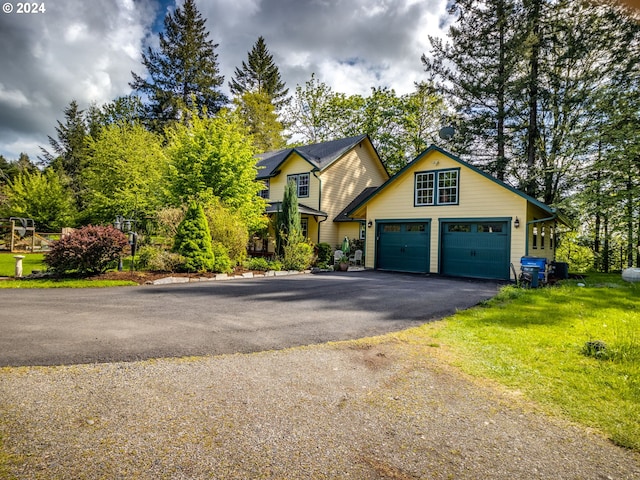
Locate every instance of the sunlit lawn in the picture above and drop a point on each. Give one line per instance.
(533, 341)
(33, 261)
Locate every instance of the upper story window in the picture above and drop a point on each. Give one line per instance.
(265, 193)
(302, 183)
(437, 188)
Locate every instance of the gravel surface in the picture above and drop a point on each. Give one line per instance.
(378, 410)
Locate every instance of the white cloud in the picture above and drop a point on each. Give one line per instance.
(86, 50)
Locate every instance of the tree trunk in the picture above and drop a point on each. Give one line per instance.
(534, 63)
(501, 164)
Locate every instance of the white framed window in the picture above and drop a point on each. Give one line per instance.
(424, 188)
(304, 226)
(436, 188)
(302, 184)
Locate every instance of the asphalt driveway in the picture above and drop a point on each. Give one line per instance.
(70, 326)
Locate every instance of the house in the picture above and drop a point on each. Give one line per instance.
(442, 215)
(331, 177)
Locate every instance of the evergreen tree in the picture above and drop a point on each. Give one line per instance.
(260, 75)
(289, 224)
(69, 148)
(183, 75)
(193, 240)
(476, 71)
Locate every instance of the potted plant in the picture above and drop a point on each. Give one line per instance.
(343, 263)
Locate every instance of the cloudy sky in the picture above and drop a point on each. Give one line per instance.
(86, 50)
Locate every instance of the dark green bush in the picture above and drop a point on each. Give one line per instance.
(193, 240)
(325, 253)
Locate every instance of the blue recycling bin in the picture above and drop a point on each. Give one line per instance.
(534, 267)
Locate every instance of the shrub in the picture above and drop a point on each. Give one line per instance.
(325, 253)
(275, 265)
(298, 256)
(258, 263)
(222, 263)
(193, 240)
(90, 249)
(228, 229)
(159, 259)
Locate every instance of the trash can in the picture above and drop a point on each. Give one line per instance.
(560, 270)
(539, 262)
(530, 275)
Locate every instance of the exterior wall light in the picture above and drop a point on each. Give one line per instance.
(516, 223)
(369, 224)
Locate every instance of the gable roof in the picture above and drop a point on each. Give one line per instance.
(550, 210)
(319, 155)
(343, 216)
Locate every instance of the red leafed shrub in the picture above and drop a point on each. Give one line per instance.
(90, 249)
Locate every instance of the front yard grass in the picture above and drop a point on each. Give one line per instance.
(32, 261)
(533, 341)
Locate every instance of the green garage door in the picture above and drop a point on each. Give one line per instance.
(475, 249)
(403, 246)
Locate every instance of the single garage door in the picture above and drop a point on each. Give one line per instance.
(475, 249)
(403, 246)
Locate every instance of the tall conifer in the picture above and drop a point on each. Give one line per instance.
(183, 75)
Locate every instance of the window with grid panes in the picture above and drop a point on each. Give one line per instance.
(424, 188)
(436, 188)
(302, 183)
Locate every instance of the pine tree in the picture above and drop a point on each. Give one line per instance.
(184, 74)
(260, 75)
(193, 240)
(476, 72)
(69, 149)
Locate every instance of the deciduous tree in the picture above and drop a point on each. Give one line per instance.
(214, 157)
(124, 173)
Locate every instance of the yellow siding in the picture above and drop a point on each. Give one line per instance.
(479, 197)
(338, 184)
(344, 180)
(539, 247)
(294, 165)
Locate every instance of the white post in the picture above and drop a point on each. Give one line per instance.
(18, 265)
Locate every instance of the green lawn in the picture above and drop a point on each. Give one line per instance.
(32, 261)
(534, 340)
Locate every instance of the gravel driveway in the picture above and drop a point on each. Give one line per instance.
(362, 410)
(389, 407)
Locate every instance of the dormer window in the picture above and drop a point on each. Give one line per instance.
(302, 184)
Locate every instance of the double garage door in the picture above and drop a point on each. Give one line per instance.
(479, 249)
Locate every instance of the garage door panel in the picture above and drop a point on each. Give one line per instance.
(475, 249)
(403, 246)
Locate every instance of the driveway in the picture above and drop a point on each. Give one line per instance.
(71, 326)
